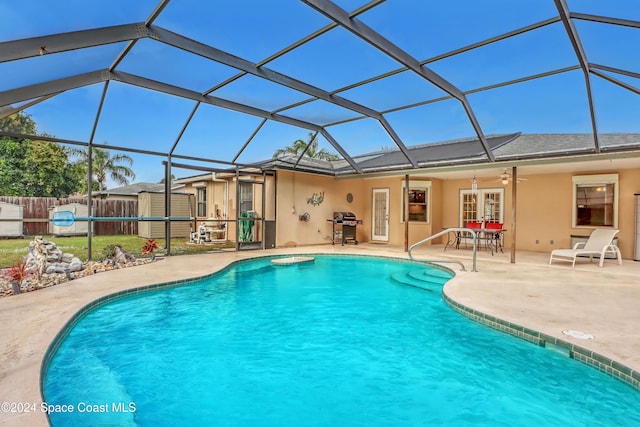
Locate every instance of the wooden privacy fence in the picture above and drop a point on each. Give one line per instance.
(37, 210)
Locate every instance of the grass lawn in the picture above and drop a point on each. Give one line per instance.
(12, 250)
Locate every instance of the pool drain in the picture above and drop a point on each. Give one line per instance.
(577, 334)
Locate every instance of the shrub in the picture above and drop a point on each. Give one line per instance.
(149, 247)
(18, 272)
(109, 251)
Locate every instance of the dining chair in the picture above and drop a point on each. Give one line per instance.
(495, 233)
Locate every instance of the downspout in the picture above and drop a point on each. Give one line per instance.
(225, 209)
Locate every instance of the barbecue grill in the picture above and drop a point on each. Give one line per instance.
(343, 227)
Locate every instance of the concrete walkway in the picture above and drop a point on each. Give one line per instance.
(597, 301)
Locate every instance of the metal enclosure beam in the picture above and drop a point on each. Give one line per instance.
(563, 11)
(56, 43)
(616, 81)
(52, 87)
(12, 110)
(248, 141)
(355, 26)
(197, 48)
(340, 150)
(605, 20)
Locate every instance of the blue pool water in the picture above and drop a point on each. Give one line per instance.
(335, 342)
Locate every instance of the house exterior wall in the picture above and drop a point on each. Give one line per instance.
(336, 191)
(293, 192)
(417, 230)
(544, 208)
(215, 206)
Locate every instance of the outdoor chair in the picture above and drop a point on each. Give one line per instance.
(474, 225)
(495, 234)
(203, 235)
(600, 243)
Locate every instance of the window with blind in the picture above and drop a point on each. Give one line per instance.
(418, 201)
(201, 201)
(595, 201)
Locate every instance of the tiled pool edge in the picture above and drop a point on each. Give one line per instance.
(581, 354)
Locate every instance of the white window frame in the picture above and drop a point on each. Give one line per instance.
(595, 180)
(201, 203)
(246, 198)
(417, 185)
(480, 197)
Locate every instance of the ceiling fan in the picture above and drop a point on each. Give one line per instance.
(505, 177)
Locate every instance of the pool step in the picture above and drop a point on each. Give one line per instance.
(422, 279)
(432, 276)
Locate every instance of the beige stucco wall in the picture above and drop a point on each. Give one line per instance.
(293, 190)
(544, 208)
(543, 211)
(417, 231)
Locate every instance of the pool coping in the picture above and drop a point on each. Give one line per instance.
(588, 357)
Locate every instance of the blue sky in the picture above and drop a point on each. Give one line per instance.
(255, 29)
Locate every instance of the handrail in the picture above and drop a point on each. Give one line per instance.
(446, 231)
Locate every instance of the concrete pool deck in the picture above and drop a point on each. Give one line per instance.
(548, 299)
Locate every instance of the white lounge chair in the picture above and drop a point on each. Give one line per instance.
(599, 244)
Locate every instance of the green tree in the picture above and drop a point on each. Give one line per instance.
(34, 168)
(299, 146)
(106, 166)
(12, 166)
(50, 173)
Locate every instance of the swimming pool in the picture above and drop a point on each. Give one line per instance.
(339, 341)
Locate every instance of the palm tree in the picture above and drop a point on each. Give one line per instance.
(107, 166)
(299, 146)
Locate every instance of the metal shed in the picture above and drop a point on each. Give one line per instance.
(11, 220)
(152, 204)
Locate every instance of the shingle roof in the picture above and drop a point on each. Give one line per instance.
(134, 189)
(514, 146)
(555, 145)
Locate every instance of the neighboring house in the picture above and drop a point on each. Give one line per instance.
(130, 192)
(567, 190)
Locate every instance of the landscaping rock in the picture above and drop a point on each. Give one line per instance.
(61, 267)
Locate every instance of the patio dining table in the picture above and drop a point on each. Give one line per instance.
(489, 235)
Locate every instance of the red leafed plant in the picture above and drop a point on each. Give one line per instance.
(149, 247)
(18, 272)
